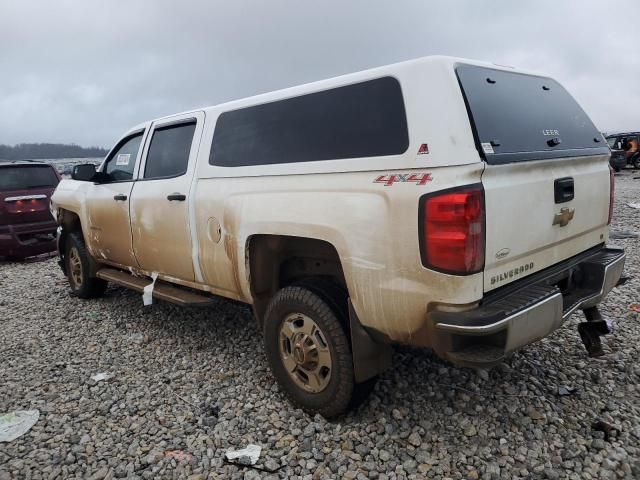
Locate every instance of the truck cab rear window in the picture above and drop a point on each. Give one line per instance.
(366, 119)
(519, 117)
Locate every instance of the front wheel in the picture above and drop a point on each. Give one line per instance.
(309, 352)
(78, 267)
(636, 162)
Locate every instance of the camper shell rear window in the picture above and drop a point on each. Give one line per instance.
(518, 117)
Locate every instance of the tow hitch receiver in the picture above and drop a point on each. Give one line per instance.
(591, 331)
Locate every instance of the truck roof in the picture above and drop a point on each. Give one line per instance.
(341, 80)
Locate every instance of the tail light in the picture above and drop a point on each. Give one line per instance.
(611, 194)
(452, 235)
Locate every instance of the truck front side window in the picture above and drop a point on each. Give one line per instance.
(122, 160)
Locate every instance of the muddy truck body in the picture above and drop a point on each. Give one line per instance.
(440, 203)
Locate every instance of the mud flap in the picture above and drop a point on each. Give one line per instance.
(370, 358)
(61, 246)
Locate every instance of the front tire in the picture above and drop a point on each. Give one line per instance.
(78, 263)
(309, 352)
(636, 162)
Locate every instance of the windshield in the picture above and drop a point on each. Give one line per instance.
(23, 177)
(520, 117)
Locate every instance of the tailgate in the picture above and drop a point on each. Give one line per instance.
(526, 230)
(546, 179)
(25, 206)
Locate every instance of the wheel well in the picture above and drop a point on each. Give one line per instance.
(70, 223)
(275, 261)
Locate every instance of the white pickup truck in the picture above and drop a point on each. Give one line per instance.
(439, 202)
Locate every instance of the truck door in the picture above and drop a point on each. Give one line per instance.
(107, 204)
(160, 200)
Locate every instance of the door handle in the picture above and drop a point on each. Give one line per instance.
(178, 197)
(120, 197)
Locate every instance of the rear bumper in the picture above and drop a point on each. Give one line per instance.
(529, 310)
(29, 239)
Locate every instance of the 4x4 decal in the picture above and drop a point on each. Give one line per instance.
(417, 178)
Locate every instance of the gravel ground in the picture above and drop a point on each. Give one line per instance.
(189, 384)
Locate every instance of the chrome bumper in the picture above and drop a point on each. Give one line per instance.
(531, 309)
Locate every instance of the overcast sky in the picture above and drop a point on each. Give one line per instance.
(85, 71)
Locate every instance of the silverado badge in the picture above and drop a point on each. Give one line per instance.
(564, 217)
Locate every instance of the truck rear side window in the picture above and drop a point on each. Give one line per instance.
(366, 119)
(519, 117)
(25, 177)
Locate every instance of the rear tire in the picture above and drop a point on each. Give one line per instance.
(338, 299)
(78, 263)
(309, 351)
(636, 162)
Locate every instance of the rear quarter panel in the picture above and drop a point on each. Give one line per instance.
(373, 226)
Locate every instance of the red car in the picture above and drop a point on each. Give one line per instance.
(26, 225)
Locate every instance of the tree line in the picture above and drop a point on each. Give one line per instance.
(28, 151)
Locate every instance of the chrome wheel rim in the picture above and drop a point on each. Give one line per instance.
(75, 267)
(305, 353)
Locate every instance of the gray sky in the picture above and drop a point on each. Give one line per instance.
(84, 71)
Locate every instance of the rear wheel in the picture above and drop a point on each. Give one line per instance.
(309, 351)
(78, 267)
(636, 161)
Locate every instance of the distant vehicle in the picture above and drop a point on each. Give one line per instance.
(618, 160)
(439, 203)
(26, 225)
(625, 149)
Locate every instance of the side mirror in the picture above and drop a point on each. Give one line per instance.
(101, 177)
(84, 172)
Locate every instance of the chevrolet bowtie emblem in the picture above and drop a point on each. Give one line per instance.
(564, 217)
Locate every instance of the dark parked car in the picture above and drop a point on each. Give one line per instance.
(26, 225)
(625, 149)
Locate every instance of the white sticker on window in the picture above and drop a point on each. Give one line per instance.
(487, 148)
(123, 159)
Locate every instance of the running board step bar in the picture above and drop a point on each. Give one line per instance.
(161, 290)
